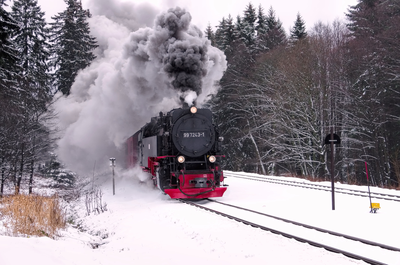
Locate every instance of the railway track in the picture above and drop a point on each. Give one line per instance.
(362, 249)
(374, 195)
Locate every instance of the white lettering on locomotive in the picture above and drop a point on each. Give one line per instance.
(194, 134)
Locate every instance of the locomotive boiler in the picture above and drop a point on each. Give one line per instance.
(181, 151)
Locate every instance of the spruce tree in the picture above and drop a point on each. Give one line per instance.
(261, 26)
(249, 27)
(220, 41)
(34, 84)
(374, 66)
(33, 48)
(8, 53)
(271, 34)
(210, 35)
(225, 34)
(271, 20)
(72, 44)
(229, 32)
(276, 34)
(298, 31)
(238, 28)
(9, 104)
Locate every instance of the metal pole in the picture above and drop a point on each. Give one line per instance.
(332, 153)
(332, 171)
(113, 181)
(369, 192)
(112, 165)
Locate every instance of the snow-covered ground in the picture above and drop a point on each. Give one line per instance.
(143, 226)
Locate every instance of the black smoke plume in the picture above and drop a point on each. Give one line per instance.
(184, 53)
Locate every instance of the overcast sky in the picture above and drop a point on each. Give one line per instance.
(212, 11)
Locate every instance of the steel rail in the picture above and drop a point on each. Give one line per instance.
(313, 186)
(368, 242)
(300, 239)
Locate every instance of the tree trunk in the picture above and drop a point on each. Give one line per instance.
(32, 165)
(258, 153)
(2, 177)
(31, 177)
(21, 170)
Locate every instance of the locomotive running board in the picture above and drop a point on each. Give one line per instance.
(199, 193)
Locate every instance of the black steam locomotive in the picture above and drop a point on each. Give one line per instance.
(181, 151)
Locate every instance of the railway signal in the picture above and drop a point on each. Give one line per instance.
(332, 139)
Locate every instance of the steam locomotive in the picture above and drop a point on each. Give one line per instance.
(181, 151)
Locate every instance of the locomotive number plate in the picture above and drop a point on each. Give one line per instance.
(194, 134)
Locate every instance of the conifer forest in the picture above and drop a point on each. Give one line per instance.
(284, 92)
(281, 96)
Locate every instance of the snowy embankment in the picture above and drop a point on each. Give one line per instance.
(143, 226)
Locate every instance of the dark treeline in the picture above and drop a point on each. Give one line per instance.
(282, 94)
(37, 59)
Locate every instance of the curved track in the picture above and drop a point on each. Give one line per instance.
(330, 240)
(374, 195)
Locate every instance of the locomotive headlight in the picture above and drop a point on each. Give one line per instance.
(212, 159)
(193, 109)
(181, 159)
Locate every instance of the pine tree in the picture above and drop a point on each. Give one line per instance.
(363, 19)
(88, 43)
(375, 67)
(249, 27)
(272, 22)
(298, 31)
(261, 26)
(229, 32)
(220, 41)
(210, 34)
(72, 44)
(225, 34)
(9, 73)
(34, 83)
(276, 34)
(8, 53)
(33, 47)
(238, 28)
(272, 33)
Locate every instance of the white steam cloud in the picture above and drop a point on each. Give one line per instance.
(139, 71)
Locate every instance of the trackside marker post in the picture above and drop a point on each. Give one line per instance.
(112, 165)
(374, 206)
